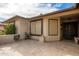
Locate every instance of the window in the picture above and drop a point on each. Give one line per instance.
(53, 27)
(33, 25)
(36, 27)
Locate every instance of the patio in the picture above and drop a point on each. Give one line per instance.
(35, 48)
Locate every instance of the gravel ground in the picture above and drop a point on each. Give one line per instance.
(36, 48)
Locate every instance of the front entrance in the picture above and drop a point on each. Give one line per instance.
(70, 30)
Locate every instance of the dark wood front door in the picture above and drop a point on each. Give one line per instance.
(70, 30)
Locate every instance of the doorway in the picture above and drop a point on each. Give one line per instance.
(70, 29)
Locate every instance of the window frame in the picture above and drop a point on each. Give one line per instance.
(41, 27)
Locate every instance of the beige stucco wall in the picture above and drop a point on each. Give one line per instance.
(22, 26)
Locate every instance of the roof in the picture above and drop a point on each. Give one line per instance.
(60, 11)
(53, 13)
(15, 17)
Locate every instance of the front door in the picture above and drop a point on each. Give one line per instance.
(70, 30)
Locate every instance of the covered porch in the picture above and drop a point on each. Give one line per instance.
(69, 27)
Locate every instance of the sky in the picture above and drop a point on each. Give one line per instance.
(8, 10)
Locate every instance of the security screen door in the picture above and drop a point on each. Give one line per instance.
(70, 30)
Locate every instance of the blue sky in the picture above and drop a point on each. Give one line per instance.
(65, 5)
(56, 5)
(8, 10)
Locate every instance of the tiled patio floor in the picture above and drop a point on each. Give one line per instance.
(35, 48)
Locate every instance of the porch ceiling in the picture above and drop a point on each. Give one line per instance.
(71, 16)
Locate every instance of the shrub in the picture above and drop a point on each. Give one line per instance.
(10, 29)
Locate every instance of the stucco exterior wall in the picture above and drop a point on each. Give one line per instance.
(21, 27)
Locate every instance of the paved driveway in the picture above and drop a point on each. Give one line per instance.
(35, 48)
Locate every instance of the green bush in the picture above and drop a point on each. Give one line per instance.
(10, 29)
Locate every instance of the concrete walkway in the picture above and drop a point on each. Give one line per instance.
(35, 48)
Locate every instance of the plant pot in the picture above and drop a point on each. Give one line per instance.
(76, 40)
